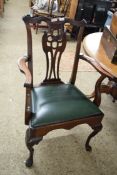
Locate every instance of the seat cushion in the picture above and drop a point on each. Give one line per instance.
(60, 103)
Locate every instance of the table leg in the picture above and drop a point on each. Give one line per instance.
(109, 88)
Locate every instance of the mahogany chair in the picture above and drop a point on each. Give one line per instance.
(55, 104)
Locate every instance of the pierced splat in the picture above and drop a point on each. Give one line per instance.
(54, 43)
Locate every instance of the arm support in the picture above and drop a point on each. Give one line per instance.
(96, 65)
(23, 66)
(104, 74)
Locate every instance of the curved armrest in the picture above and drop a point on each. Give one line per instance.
(96, 65)
(104, 74)
(23, 66)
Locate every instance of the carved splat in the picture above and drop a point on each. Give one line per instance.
(54, 43)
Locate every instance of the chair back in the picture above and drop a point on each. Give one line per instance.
(54, 43)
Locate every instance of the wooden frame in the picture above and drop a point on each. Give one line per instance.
(35, 135)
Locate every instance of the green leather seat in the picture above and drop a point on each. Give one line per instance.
(60, 103)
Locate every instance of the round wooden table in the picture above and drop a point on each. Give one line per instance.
(93, 47)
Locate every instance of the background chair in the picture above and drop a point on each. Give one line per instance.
(55, 104)
(61, 11)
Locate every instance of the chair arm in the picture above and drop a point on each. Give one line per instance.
(23, 66)
(96, 65)
(97, 93)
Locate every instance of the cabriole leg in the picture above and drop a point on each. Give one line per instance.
(96, 130)
(30, 142)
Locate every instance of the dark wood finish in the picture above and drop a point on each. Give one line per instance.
(96, 128)
(55, 35)
(30, 141)
(34, 136)
(109, 88)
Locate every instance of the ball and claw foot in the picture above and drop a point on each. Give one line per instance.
(30, 142)
(88, 148)
(29, 163)
(96, 129)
